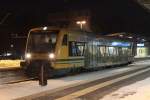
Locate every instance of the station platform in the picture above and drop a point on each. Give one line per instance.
(141, 58)
(31, 89)
(9, 65)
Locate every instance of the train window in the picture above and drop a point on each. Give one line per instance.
(120, 51)
(76, 48)
(65, 40)
(80, 48)
(116, 50)
(102, 50)
(124, 51)
(42, 41)
(90, 48)
(112, 51)
(129, 51)
(72, 49)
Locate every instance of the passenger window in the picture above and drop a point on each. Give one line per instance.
(112, 51)
(80, 48)
(76, 48)
(65, 40)
(107, 51)
(103, 51)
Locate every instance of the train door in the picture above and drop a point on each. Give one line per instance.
(102, 50)
(91, 54)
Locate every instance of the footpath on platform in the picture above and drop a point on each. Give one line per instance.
(31, 89)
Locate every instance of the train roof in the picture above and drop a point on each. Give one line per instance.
(46, 28)
(113, 38)
(91, 34)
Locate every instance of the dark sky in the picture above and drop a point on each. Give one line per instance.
(110, 15)
(113, 15)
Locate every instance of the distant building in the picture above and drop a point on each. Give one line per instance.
(143, 49)
(142, 44)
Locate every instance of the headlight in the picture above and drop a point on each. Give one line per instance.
(51, 56)
(28, 55)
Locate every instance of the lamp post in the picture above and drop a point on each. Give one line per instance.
(81, 23)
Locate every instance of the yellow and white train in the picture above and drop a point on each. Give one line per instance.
(64, 51)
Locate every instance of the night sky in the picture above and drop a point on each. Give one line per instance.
(18, 16)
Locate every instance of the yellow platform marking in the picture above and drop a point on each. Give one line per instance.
(10, 64)
(96, 87)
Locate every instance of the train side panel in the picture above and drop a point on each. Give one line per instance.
(64, 58)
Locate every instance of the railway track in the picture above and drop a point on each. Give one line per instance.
(13, 76)
(18, 81)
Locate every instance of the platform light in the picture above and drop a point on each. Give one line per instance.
(8, 54)
(115, 43)
(140, 44)
(44, 28)
(11, 45)
(143, 40)
(124, 44)
(81, 23)
(130, 37)
(121, 35)
(78, 22)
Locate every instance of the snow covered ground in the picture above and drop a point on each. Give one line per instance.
(12, 91)
(17, 90)
(138, 91)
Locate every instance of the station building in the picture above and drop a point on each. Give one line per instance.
(143, 50)
(142, 44)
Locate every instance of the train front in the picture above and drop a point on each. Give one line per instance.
(40, 51)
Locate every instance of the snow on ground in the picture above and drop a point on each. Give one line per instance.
(138, 91)
(9, 63)
(12, 91)
(144, 62)
(142, 56)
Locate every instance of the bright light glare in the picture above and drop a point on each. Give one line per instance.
(51, 56)
(78, 22)
(81, 22)
(45, 28)
(140, 45)
(130, 37)
(28, 56)
(121, 35)
(8, 54)
(125, 44)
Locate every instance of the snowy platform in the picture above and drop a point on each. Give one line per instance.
(9, 64)
(32, 88)
(137, 91)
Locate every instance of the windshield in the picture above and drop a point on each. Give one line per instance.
(42, 41)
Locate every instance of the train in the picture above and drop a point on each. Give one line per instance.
(64, 50)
